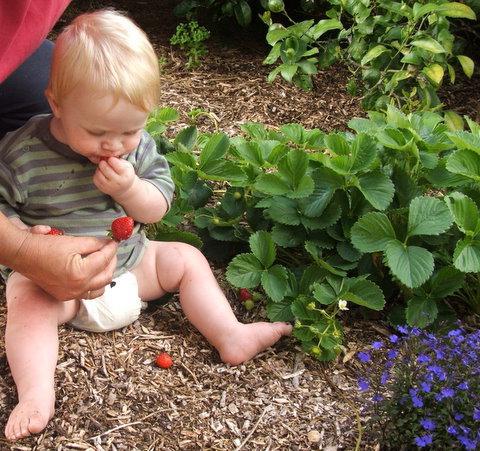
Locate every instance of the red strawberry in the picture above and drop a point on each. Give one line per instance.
(244, 294)
(163, 360)
(122, 228)
(55, 231)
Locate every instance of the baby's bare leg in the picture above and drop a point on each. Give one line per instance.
(171, 267)
(31, 341)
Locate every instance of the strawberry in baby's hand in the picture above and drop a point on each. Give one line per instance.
(122, 228)
(55, 231)
(163, 360)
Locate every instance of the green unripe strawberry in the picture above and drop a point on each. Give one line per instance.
(237, 195)
(311, 306)
(257, 296)
(215, 221)
(276, 6)
(249, 304)
(315, 350)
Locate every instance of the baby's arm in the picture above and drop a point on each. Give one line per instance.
(143, 201)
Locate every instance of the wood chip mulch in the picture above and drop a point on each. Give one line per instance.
(110, 395)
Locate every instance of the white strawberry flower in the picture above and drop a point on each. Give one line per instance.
(342, 304)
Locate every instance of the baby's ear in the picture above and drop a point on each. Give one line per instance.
(52, 102)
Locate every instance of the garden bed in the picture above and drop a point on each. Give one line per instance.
(110, 396)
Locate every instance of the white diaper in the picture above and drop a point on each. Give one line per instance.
(118, 307)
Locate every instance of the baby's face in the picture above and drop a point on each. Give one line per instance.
(97, 126)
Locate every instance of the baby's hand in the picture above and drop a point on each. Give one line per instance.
(43, 230)
(114, 176)
(38, 229)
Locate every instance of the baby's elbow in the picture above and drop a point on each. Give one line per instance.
(155, 215)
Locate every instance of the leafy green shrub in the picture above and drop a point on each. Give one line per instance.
(323, 221)
(424, 389)
(402, 51)
(240, 9)
(189, 37)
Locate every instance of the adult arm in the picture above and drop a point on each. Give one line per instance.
(24, 24)
(66, 269)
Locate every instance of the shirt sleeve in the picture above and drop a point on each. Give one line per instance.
(153, 167)
(11, 196)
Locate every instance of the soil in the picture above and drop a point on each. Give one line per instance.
(110, 395)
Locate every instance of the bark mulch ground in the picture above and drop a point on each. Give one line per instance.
(110, 395)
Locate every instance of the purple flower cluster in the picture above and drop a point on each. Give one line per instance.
(428, 387)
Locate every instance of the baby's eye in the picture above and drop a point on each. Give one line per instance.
(131, 133)
(95, 133)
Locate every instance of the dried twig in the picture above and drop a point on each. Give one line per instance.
(121, 426)
(253, 429)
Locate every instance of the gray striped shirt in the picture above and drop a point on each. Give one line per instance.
(43, 181)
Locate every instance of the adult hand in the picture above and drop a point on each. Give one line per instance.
(67, 267)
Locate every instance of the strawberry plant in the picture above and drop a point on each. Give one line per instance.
(383, 215)
(401, 51)
(240, 10)
(189, 37)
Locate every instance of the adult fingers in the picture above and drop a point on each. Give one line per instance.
(101, 261)
(100, 267)
(86, 246)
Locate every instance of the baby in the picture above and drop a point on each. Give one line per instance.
(78, 169)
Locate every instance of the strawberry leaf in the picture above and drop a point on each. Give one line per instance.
(412, 265)
(244, 271)
(466, 256)
(421, 311)
(280, 311)
(274, 282)
(377, 188)
(428, 216)
(364, 292)
(465, 162)
(465, 213)
(214, 150)
(263, 248)
(372, 232)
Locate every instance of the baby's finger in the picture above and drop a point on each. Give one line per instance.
(40, 229)
(105, 169)
(119, 165)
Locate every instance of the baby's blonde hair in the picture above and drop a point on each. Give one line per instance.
(106, 52)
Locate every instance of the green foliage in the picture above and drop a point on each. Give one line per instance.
(325, 221)
(219, 9)
(401, 51)
(189, 37)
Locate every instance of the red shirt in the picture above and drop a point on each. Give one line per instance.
(24, 24)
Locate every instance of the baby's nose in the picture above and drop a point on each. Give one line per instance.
(112, 145)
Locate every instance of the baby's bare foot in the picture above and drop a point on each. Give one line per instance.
(30, 416)
(247, 340)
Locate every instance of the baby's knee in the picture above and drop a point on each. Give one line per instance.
(178, 262)
(20, 291)
(189, 252)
